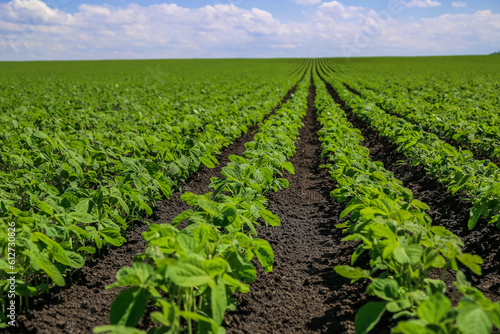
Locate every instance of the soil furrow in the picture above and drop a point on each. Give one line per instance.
(447, 209)
(84, 303)
(302, 294)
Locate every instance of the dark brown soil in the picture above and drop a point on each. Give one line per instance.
(302, 294)
(84, 303)
(447, 209)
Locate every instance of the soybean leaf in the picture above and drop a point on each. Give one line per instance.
(218, 300)
(57, 251)
(83, 217)
(270, 218)
(351, 272)
(288, 166)
(129, 306)
(368, 316)
(472, 319)
(434, 308)
(75, 259)
(112, 236)
(471, 261)
(476, 212)
(188, 275)
(50, 269)
(207, 162)
(264, 254)
(241, 267)
(45, 208)
(385, 288)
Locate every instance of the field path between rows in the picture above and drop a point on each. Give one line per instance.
(302, 294)
(84, 303)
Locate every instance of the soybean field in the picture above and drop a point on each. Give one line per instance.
(326, 195)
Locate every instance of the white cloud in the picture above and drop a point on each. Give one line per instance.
(172, 31)
(336, 10)
(447, 34)
(33, 11)
(307, 2)
(459, 4)
(421, 3)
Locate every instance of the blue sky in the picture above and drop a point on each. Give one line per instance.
(123, 29)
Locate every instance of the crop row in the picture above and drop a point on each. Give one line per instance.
(405, 250)
(107, 106)
(63, 196)
(192, 273)
(460, 88)
(458, 170)
(475, 135)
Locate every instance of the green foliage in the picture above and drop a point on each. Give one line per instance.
(89, 147)
(368, 316)
(396, 232)
(191, 274)
(478, 180)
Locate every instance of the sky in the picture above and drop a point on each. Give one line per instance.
(123, 29)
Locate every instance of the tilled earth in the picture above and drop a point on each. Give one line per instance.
(302, 294)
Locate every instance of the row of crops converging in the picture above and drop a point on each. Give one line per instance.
(82, 160)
